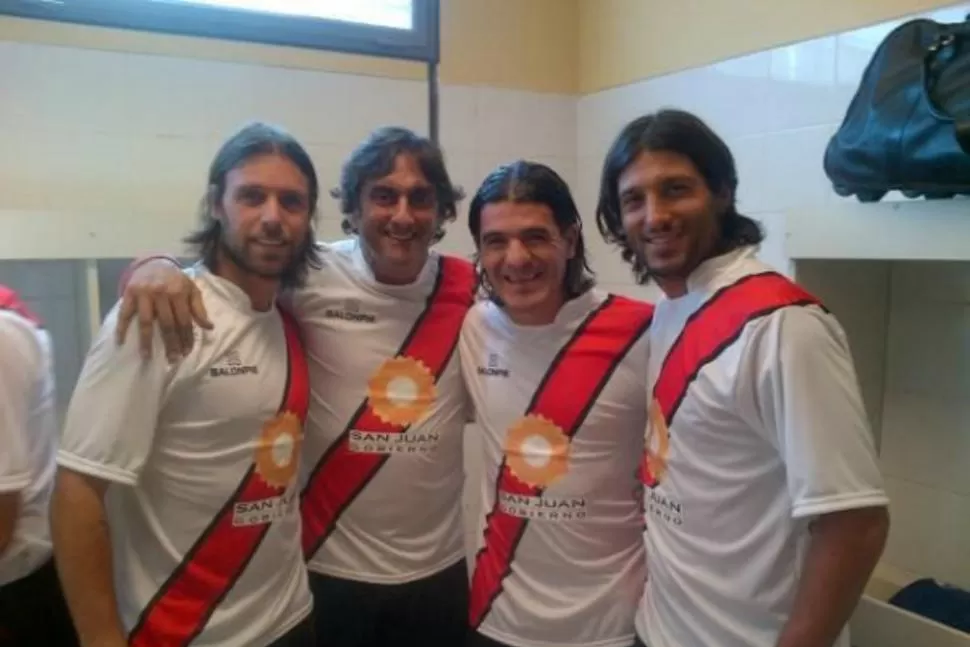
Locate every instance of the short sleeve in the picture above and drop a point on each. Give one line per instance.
(805, 397)
(21, 367)
(111, 421)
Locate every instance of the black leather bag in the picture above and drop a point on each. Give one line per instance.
(908, 126)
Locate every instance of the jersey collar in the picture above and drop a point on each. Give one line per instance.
(705, 276)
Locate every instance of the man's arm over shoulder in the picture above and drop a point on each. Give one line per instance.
(21, 366)
(161, 294)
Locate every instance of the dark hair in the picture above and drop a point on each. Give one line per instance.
(251, 141)
(531, 182)
(374, 158)
(680, 132)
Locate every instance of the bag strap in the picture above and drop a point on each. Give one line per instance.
(953, 37)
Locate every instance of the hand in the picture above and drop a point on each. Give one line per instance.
(159, 292)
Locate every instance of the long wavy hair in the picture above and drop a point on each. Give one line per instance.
(531, 182)
(251, 141)
(374, 158)
(674, 131)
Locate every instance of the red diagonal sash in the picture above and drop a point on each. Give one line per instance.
(9, 300)
(564, 397)
(710, 330)
(183, 605)
(341, 474)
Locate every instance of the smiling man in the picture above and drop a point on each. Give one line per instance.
(766, 512)
(560, 555)
(174, 514)
(382, 471)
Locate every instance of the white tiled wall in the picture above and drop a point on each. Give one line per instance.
(776, 109)
(121, 142)
(909, 322)
(926, 428)
(105, 154)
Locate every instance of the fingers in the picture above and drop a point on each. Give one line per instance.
(146, 324)
(161, 295)
(198, 309)
(129, 307)
(171, 338)
(183, 325)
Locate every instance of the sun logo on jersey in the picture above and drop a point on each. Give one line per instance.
(656, 446)
(537, 451)
(401, 391)
(278, 449)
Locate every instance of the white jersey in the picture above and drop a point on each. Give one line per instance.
(28, 436)
(561, 408)
(756, 427)
(202, 457)
(383, 471)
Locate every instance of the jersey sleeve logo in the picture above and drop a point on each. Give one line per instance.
(656, 447)
(278, 449)
(537, 451)
(402, 391)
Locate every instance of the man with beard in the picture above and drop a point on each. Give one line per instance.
(765, 507)
(382, 473)
(175, 515)
(555, 369)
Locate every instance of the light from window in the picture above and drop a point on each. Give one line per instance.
(396, 14)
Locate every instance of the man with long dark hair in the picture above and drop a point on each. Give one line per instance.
(175, 515)
(382, 473)
(765, 507)
(555, 369)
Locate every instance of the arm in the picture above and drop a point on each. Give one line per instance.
(843, 552)
(82, 550)
(108, 436)
(20, 368)
(157, 291)
(807, 401)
